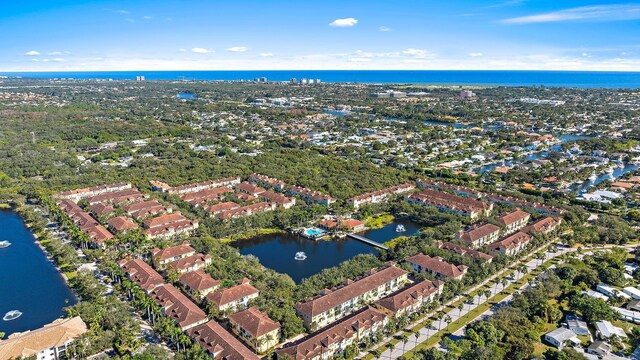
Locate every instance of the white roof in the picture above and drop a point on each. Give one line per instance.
(607, 329)
(632, 291)
(561, 334)
(596, 294)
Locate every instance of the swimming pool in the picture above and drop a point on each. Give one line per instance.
(314, 232)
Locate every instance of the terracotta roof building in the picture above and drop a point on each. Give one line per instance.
(379, 196)
(122, 224)
(279, 199)
(183, 189)
(84, 193)
(514, 221)
(163, 220)
(543, 226)
(219, 343)
(437, 267)
(234, 298)
(141, 273)
(249, 188)
(220, 207)
(334, 304)
(49, 342)
(461, 250)
(269, 181)
(452, 203)
(246, 210)
(101, 209)
(256, 329)
(164, 256)
(190, 263)
(478, 236)
(198, 284)
(178, 307)
(311, 196)
(336, 338)
(512, 244)
(117, 197)
(409, 299)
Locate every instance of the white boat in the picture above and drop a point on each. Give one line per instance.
(12, 315)
(4, 244)
(300, 255)
(400, 228)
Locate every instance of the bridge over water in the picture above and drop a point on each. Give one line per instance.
(367, 241)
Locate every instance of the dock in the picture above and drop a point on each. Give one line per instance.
(367, 241)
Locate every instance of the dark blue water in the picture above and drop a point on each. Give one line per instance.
(28, 280)
(580, 79)
(277, 251)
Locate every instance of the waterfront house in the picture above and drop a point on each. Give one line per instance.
(256, 329)
(334, 339)
(279, 199)
(234, 298)
(437, 267)
(198, 284)
(511, 245)
(410, 298)
(178, 307)
(334, 304)
(480, 235)
(49, 342)
(513, 221)
(219, 343)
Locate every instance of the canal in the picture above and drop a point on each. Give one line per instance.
(29, 282)
(277, 251)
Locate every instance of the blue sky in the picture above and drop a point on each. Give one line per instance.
(45, 35)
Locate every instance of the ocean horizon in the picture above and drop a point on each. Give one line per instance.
(575, 79)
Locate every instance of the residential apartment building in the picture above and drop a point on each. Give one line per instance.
(452, 203)
(379, 196)
(234, 298)
(311, 196)
(511, 245)
(79, 194)
(162, 257)
(409, 299)
(198, 284)
(437, 267)
(543, 226)
(267, 181)
(513, 221)
(256, 329)
(219, 343)
(336, 338)
(141, 273)
(335, 304)
(189, 188)
(464, 251)
(480, 235)
(247, 210)
(190, 263)
(49, 342)
(176, 306)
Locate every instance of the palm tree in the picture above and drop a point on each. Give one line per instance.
(405, 339)
(376, 353)
(416, 335)
(460, 307)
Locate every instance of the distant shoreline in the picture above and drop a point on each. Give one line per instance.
(482, 78)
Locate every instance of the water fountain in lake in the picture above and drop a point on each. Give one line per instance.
(4, 244)
(300, 255)
(12, 315)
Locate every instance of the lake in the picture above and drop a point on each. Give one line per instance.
(276, 251)
(28, 280)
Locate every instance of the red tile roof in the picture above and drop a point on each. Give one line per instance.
(177, 306)
(254, 322)
(438, 265)
(463, 250)
(234, 293)
(479, 232)
(326, 302)
(185, 263)
(220, 343)
(512, 217)
(411, 294)
(170, 252)
(199, 280)
(314, 345)
(141, 273)
(122, 223)
(163, 220)
(512, 241)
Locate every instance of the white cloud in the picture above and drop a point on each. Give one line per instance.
(266, 54)
(384, 28)
(34, 59)
(475, 54)
(129, 20)
(123, 12)
(58, 59)
(147, 17)
(31, 53)
(615, 12)
(238, 49)
(360, 59)
(199, 50)
(346, 22)
(418, 53)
